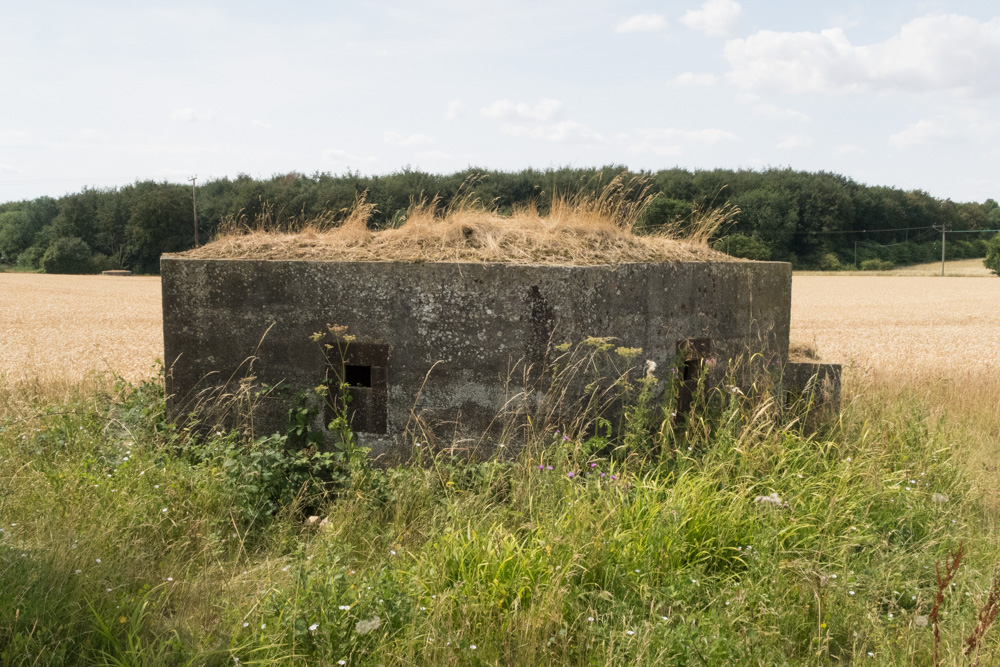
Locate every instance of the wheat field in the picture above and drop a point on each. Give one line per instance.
(63, 327)
(932, 326)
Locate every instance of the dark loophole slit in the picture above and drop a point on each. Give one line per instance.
(358, 376)
(692, 353)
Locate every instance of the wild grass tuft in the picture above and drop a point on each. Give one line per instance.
(596, 225)
(742, 538)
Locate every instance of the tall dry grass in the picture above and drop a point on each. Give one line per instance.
(580, 228)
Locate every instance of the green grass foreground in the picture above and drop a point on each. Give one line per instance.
(127, 542)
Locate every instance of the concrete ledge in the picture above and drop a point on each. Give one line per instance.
(818, 382)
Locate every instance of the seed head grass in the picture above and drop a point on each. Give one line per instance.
(643, 556)
(581, 229)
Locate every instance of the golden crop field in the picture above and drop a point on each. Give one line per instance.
(55, 327)
(933, 326)
(62, 327)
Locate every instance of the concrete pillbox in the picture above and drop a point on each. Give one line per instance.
(449, 333)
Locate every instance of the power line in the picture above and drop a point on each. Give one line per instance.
(895, 229)
(864, 231)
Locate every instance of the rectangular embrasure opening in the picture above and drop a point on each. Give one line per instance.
(691, 353)
(364, 369)
(358, 376)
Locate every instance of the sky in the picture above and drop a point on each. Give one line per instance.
(893, 92)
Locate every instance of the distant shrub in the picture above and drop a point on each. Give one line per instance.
(100, 262)
(830, 262)
(31, 259)
(741, 245)
(877, 265)
(67, 255)
(992, 261)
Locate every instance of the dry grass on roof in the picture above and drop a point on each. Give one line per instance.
(581, 230)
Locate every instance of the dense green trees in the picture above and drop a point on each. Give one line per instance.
(809, 219)
(992, 260)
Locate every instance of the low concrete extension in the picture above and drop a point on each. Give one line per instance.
(449, 333)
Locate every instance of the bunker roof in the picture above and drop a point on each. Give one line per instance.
(563, 237)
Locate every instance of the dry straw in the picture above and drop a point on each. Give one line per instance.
(583, 229)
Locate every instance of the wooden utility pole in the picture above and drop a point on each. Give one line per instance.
(194, 204)
(943, 230)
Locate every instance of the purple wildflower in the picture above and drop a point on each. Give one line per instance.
(548, 467)
(570, 474)
(613, 478)
(593, 465)
(541, 467)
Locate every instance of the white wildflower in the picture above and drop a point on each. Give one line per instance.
(364, 627)
(773, 499)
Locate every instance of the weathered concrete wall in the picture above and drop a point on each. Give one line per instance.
(469, 322)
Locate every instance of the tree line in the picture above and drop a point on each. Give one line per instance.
(811, 219)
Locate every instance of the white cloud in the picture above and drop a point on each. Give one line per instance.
(9, 169)
(13, 138)
(189, 115)
(954, 125)
(339, 156)
(942, 52)
(642, 23)
(397, 139)
(566, 131)
(848, 149)
(671, 140)
(793, 141)
(692, 79)
(436, 155)
(547, 109)
(779, 113)
(456, 109)
(923, 132)
(670, 150)
(716, 18)
(90, 135)
(708, 136)
(261, 124)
